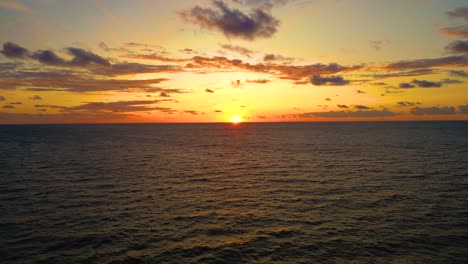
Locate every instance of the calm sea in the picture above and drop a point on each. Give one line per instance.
(369, 192)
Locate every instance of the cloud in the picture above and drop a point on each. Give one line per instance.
(451, 81)
(458, 73)
(8, 107)
(422, 84)
(15, 6)
(427, 84)
(238, 49)
(49, 106)
(341, 114)
(330, 80)
(12, 50)
(236, 84)
(233, 22)
(406, 85)
(133, 68)
(458, 46)
(218, 111)
(35, 97)
(259, 81)
(378, 44)
(360, 91)
(463, 109)
(459, 31)
(121, 106)
(82, 57)
(379, 83)
(209, 90)
(459, 12)
(78, 84)
(433, 110)
(267, 4)
(342, 106)
(406, 103)
(456, 61)
(163, 94)
(277, 57)
(2, 98)
(48, 57)
(361, 107)
(328, 99)
(416, 72)
(16, 103)
(192, 112)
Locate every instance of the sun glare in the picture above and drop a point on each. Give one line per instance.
(236, 119)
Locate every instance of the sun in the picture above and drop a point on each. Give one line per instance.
(236, 119)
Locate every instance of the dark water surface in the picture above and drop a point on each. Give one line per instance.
(392, 192)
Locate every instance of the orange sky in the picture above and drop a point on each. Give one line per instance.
(209, 61)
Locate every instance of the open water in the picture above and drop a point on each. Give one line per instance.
(367, 192)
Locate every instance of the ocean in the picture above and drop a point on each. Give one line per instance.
(345, 192)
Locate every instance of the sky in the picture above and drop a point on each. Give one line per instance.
(145, 61)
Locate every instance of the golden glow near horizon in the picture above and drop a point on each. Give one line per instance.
(70, 62)
(236, 119)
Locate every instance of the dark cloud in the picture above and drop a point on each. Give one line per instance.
(277, 57)
(427, 84)
(192, 112)
(120, 106)
(163, 94)
(48, 57)
(209, 90)
(459, 12)
(328, 99)
(406, 103)
(236, 84)
(379, 83)
(259, 81)
(16, 103)
(451, 81)
(2, 98)
(433, 110)
(76, 84)
(458, 73)
(82, 57)
(35, 97)
(341, 114)
(406, 85)
(416, 72)
(458, 46)
(456, 61)
(422, 84)
(12, 50)
(49, 106)
(8, 107)
(218, 111)
(459, 31)
(360, 92)
(463, 109)
(361, 107)
(330, 80)
(233, 22)
(342, 106)
(238, 49)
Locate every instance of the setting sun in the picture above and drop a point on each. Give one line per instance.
(236, 119)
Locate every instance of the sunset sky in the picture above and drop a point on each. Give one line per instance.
(64, 61)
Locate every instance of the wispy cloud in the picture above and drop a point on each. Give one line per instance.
(15, 6)
(433, 110)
